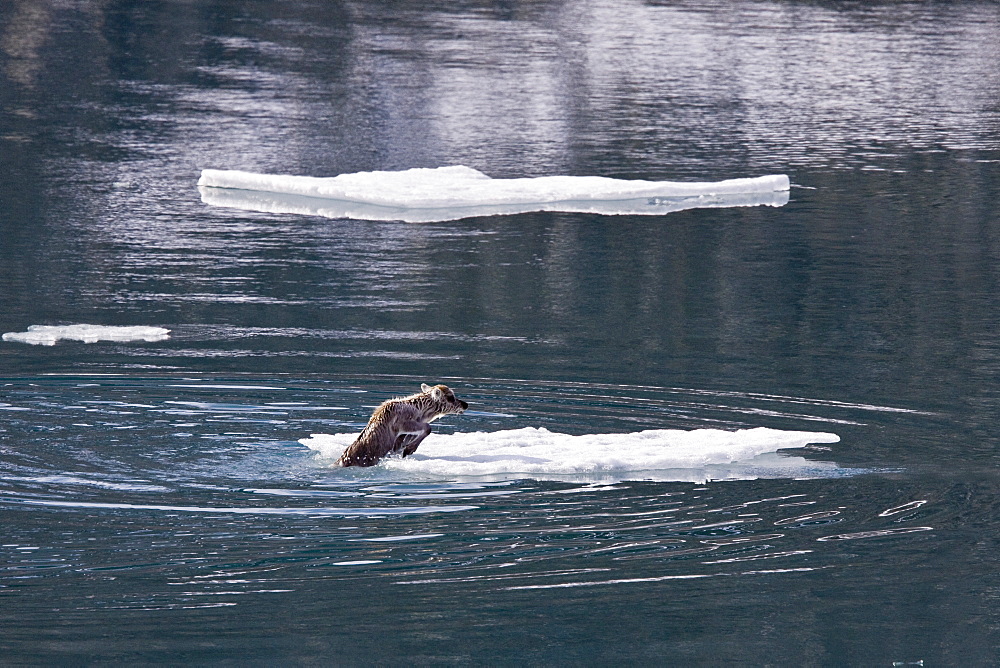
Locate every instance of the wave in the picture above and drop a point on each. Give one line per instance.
(321, 511)
(48, 335)
(658, 454)
(451, 193)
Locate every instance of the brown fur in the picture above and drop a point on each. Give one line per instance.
(399, 425)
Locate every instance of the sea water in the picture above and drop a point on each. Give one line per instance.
(732, 435)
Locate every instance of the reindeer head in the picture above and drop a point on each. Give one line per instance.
(444, 400)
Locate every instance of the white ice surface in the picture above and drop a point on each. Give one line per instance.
(658, 454)
(47, 335)
(449, 193)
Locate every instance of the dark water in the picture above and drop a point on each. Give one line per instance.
(156, 505)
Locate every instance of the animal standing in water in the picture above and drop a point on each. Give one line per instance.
(399, 425)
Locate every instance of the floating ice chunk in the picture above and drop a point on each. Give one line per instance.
(459, 186)
(658, 454)
(328, 208)
(450, 193)
(47, 335)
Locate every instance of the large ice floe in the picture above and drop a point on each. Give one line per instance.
(450, 193)
(48, 335)
(658, 454)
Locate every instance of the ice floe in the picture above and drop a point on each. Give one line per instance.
(451, 193)
(659, 454)
(48, 335)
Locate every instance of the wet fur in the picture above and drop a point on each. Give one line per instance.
(399, 425)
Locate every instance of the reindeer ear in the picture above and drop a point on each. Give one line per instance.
(424, 387)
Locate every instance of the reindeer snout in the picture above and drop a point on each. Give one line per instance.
(463, 404)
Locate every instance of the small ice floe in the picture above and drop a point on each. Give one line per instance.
(658, 454)
(48, 335)
(454, 192)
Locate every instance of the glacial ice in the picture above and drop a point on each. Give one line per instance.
(47, 335)
(657, 454)
(451, 193)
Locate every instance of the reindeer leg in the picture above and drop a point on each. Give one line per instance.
(413, 438)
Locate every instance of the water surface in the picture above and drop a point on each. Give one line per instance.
(158, 505)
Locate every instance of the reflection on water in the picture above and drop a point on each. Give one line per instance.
(594, 87)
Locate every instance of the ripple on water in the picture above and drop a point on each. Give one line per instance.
(232, 513)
